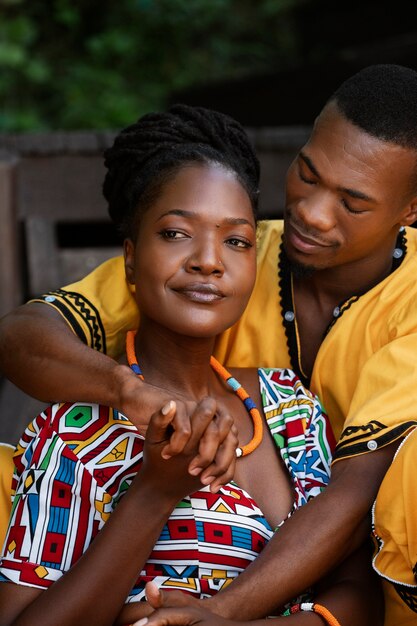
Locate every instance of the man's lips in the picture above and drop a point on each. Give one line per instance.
(303, 242)
(204, 293)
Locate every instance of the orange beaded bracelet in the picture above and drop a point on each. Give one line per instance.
(320, 610)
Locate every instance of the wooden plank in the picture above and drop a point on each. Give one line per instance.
(10, 276)
(61, 188)
(44, 271)
(16, 411)
(57, 142)
(272, 183)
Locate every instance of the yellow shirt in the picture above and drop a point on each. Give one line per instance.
(365, 372)
(395, 535)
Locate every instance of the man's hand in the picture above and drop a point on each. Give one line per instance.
(179, 609)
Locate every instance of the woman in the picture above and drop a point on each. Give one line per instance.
(183, 188)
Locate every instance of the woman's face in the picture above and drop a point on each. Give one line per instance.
(194, 259)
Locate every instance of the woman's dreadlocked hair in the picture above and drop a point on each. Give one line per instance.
(145, 154)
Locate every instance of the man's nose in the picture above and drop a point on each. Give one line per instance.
(318, 210)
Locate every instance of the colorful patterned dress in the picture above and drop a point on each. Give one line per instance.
(75, 461)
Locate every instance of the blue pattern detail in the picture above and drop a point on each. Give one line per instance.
(66, 471)
(58, 521)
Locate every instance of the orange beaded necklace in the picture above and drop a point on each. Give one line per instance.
(231, 382)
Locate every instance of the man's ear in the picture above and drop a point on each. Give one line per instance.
(129, 254)
(410, 214)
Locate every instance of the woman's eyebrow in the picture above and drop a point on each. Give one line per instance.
(179, 212)
(233, 221)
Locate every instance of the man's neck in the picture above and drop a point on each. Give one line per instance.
(337, 284)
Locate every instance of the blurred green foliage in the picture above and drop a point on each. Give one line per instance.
(90, 64)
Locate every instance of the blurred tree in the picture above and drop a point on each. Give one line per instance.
(91, 64)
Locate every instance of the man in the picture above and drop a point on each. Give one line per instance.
(337, 302)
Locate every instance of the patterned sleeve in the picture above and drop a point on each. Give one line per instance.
(57, 509)
(301, 431)
(99, 309)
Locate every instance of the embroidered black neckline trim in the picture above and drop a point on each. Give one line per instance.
(287, 305)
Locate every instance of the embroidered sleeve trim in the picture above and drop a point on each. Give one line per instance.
(370, 432)
(81, 315)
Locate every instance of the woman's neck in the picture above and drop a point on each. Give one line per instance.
(174, 362)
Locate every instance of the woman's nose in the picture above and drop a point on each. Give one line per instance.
(205, 259)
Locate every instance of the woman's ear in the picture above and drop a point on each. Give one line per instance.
(129, 254)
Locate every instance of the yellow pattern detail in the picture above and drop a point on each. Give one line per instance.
(12, 546)
(236, 495)
(102, 432)
(28, 482)
(222, 509)
(190, 584)
(215, 573)
(102, 505)
(41, 571)
(118, 453)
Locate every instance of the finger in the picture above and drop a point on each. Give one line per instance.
(170, 617)
(181, 427)
(159, 598)
(197, 420)
(224, 425)
(153, 595)
(222, 470)
(159, 422)
(207, 449)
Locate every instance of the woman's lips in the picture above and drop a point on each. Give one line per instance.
(204, 293)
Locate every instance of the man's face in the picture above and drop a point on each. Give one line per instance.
(347, 195)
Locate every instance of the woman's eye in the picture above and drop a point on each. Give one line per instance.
(239, 243)
(170, 233)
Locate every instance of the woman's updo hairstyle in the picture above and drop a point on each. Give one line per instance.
(147, 153)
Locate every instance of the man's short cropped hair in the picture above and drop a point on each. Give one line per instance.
(382, 100)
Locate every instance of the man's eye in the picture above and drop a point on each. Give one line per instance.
(306, 180)
(349, 209)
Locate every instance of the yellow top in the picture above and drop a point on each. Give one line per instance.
(6, 473)
(366, 369)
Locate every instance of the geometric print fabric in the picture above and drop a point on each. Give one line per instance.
(76, 460)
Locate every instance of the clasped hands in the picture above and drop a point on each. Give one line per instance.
(198, 438)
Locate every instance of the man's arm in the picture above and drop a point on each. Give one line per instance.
(58, 366)
(311, 543)
(351, 593)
